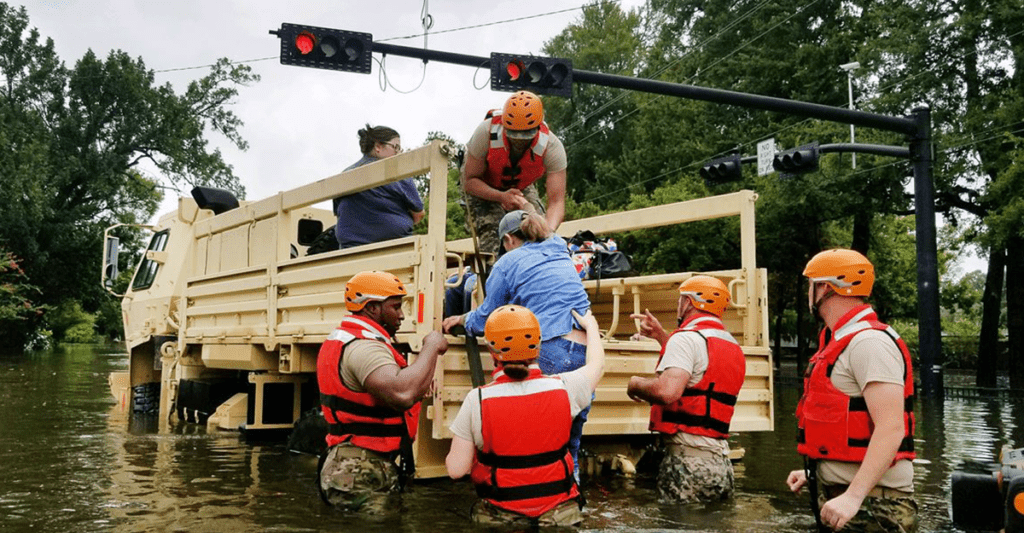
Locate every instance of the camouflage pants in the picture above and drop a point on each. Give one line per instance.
(566, 514)
(357, 480)
(685, 479)
(881, 515)
(486, 216)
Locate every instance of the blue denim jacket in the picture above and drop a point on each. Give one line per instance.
(539, 276)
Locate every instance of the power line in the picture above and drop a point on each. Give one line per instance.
(484, 25)
(671, 64)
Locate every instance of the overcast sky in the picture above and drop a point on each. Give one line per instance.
(301, 123)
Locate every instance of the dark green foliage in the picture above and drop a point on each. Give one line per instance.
(78, 147)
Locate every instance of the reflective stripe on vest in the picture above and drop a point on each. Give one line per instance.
(706, 408)
(501, 173)
(832, 425)
(525, 465)
(357, 417)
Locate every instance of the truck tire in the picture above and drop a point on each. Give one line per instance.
(146, 398)
(310, 433)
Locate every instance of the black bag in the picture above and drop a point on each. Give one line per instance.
(325, 242)
(604, 265)
(598, 257)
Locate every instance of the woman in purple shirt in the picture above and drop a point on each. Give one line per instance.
(381, 213)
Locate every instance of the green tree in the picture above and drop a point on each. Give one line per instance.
(595, 124)
(94, 145)
(964, 58)
(18, 312)
(654, 147)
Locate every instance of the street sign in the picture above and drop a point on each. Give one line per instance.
(765, 156)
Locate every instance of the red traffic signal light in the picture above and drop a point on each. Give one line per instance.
(540, 75)
(310, 46)
(514, 69)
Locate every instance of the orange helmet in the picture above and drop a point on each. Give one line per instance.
(706, 293)
(523, 111)
(372, 285)
(849, 273)
(513, 334)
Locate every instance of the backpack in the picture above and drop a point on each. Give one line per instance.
(598, 257)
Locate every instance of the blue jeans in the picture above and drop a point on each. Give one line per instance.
(559, 355)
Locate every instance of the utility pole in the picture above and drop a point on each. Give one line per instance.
(849, 68)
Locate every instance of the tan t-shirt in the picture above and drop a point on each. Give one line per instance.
(872, 356)
(554, 156)
(689, 351)
(467, 423)
(361, 358)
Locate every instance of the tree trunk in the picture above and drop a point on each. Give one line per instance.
(1015, 301)
(801, 339)
(992, 303)
(779, 314)
(861, 230)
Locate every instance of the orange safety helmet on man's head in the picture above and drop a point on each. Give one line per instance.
(848, 272)
(706, 293)
(523, 112)
(513, 334)
(371, 286)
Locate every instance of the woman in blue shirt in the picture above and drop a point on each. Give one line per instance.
(381, 213)
(537, 273)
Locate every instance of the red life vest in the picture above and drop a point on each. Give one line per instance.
(707, 407)
(501, 173)
(525, 465)
(357, 417)
(832, 425)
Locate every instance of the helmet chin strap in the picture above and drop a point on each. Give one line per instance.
(816, 306)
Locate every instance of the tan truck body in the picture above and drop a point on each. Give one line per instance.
(235, 292)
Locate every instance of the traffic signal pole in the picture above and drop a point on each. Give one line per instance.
(917, 127)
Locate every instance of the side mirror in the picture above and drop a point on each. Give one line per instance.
(110, 251)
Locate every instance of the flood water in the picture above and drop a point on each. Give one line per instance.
(70, 460)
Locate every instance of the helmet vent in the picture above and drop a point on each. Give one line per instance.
(508, 338)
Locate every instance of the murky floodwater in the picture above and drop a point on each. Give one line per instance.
(71, 461)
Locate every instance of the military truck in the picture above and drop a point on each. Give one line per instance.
(226, 312)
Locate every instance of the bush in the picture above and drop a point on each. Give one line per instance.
(69, 317)
(959, 342)
(82, 333)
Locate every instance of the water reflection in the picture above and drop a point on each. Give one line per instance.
(71, 460)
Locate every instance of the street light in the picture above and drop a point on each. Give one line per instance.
(849, 68)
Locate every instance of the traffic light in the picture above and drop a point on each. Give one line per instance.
(540, 75)
(722, 170)
(797, 160)
(310, 46)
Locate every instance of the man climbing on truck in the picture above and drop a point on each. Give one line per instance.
(370, 396)
(507, 154)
